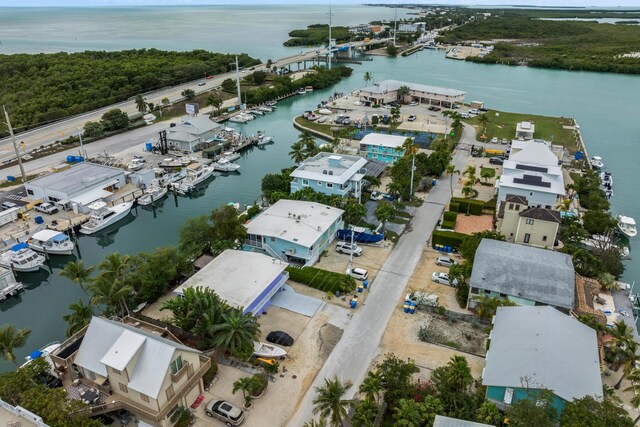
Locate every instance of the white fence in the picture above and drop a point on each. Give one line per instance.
(23, 413)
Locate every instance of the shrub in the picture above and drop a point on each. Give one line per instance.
(261, 385)
(450, 216)
(454, 207)
(474, 207)
(210, 374)
(447, 238)
(448, 225)
(327, 281)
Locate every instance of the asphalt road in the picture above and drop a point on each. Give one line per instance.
(359, 345)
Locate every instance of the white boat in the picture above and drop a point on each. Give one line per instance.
(308, 88)
(152, 194)
(238, 119)
(270, 103)
(627, 226)
(325, 112)
(265, 109)
(21, 258)
(103, 216)
(302, 91)
(261, 349)
(256, 112)
(248, 116)
(598, 241)
(196, 173)
(596, 162)
(135, 165)
(224, 165)
(51, 242)
(265, 140)
(235, 205)
(230, 155)
(607, 180)
(45, 353)
(8, 284)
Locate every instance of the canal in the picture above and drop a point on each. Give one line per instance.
(603, 104)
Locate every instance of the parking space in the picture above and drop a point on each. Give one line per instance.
(289, 299)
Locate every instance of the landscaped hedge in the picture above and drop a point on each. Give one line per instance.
(447, 238)
(454, 207)
(327, 281)
(450, 216)
(449, 225)
(474, 207)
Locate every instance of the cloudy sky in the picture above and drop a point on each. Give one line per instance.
(556, 3)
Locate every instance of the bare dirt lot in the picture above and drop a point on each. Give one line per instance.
(473, 223)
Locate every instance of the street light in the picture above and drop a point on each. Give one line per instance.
(82, 152)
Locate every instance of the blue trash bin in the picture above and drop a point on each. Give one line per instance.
(11, 178)
(365, 284)
(39, 220)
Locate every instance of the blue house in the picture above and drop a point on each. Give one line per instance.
(382, 147)
(294, 231)
(535, 348)
(333, 174)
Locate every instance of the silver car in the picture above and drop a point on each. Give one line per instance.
(225, 411)
(348, 248)
(445, 261)
(442, 278)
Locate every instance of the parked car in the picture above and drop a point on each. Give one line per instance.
(474, 111)
(358, 273)
(412, 118)
(376, 195)
(431, 108)
(394, 104)
(225, 411)
(496, 161)
(210, 77)
(484, 110)
(455, 106)
(8, 205)
(413, 103)
(348, 248)
(494, 140)
(465, 116)
(442, 278)
(437, 108)
(202, 83)
(279, 337)
(445, 261)
(47, 208)
(505, 141)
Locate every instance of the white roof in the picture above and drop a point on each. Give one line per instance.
(329, 167)
(383, 140)
(627, 220)
(525, 127)
(239, 277)
(123, 350)
(281, 221)
(536, 154)
(155, 354)
(393, 85)
(521, 144)
(80, 177)
(549, 348)
(45, 235)
(90, 196)
(192, 128)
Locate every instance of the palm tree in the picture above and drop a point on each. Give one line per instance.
(371, 386)
(385, 212)
(80, 316)
(115, 265)
(410, 148)
(367, 77)
(141, 104)
(634, 377)
(470, 173)
(460, 373)
(297, 152)
(322, 422)
(247, 385)
(622, 334)
(77, 273)
(627, 359)
(483, 120)
(364, 414)
(402, 92)
(329, 401)
(110, 292)
(181, 417)
(214, 101)
(236, 333)
(373, 181)
(10, 339)
(308, 143)
(451, 169)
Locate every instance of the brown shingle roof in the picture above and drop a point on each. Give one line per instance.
(542, 214)
(514, 198)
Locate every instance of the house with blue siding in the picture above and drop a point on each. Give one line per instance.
(333, 174)
(536, 348)
(522, 274)
(294, 231)
(382, 147)
(245, 280)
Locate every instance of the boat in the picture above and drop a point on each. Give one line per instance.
(103, 216)
(270, 103)
(44, 352)
(308, 88)
(224, 165)
(9, 286)
(261, 349)
(596, 162)
(21, 258)
(256, 112)
(361, 235)
(230, 156)
(152, 194)
(235, 205)
(265, 141)
(136, 164)
(264, 108)
(325, 111)
(322, 119)
(598, 241)
(196, 173)
(302, 91)
(51, 242)
(627, 226)
(238, 119)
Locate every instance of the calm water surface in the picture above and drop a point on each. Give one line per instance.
(603, 104)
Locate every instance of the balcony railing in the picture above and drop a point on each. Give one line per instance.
(185, 367)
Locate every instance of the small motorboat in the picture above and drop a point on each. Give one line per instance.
(136, 164)
(308, 88)
(302, 91)
(234, 205)
(152, 194)
(51, 242)
(606, 179)
(265, 109)
(8, 284)
(238, 119)
(602, 242)
(103, 216)
(21, 258)
(270, 103)
(44, 353)
(230, 156)
(325, 112)
(196, 173)
(596, 162)
(261, 349)
(361, 235)
(627, 226)
(224, 165)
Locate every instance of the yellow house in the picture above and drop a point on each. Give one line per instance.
(534, 226)
(131, 365)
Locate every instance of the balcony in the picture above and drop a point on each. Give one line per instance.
(186, 367)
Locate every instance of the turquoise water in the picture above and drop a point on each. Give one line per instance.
(603, 104)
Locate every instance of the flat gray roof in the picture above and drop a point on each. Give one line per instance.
(393, 85)
(78, 177)
(330, 167)
(546, 348)
(442, 421)
(523, 271)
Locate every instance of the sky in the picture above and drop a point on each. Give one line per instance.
(555, 3)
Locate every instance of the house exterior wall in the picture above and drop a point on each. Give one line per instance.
(536, 232)
(496, 394)
(324, 187)
(477, 292)
(49, 195)
(264, 299)
(535, 198)
(383, 154)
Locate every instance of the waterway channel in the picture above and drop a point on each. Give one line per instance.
(603, 104)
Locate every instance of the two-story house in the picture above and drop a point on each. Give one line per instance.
(135, 366)
(382, 147)
(535, 348)
(533, 226)
(192, 133)
(294, 231)
(333, 174)
(522, 274)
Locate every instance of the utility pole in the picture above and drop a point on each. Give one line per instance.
(238, 84)
(413, 159)
(395, 27)
(351, 252)
(15, 147)
(82, 152)
(330, 41)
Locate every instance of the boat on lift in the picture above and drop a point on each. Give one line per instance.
(627, 226)
(224, 165)
(103, 216)
(596, 162)
(51, 242)
(196, 173)
(21, 258)
(152, 194)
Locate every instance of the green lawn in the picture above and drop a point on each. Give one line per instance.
(492, 171)
(503, 125)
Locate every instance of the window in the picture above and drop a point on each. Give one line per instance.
(531, 193)
(503, 295)
(319, 183)
(474, 290)
(544, 238)
(170, 392)
(176, 365)
(529, 221)
(510, 206)
(527, 237)
(305, 182)
(329, 185)
(115, 371)
(144, 397)
(54, 199)
(487, 291)
(123, 388)
(517, 207)
(273, 239)
(30, 192)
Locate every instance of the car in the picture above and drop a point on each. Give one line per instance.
(474, 111)
(496, 161)
(494, 140)
(225, 411)
(8, 205)
(432, 108)
(47, 208)
(376, 195)
(484, 110)
(210, 77)
(465, 116)
(245, 70)
(348, 248)
(202, 83)
(437, 108)
(385, 107)
(445, 261)
(412, 118)
(442, 278)
(505, 141)
(394, 104)
(279, 337)
(413, 103)
(455, 106)
(358, 273)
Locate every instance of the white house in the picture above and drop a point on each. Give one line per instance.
(328, 173)
(525, 130)
(244, 279)
(193, 133)
(382, 147)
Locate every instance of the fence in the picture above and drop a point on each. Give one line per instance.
(470, 318)
(19, 411)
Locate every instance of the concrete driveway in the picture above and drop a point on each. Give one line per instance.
(289, 299)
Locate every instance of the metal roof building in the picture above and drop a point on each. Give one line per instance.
(192, 133)
(442, 421)
(387, 91)
(545, 348)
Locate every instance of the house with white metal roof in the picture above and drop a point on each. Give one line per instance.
(535, 348)
(193, 133)
(333, 174)
(245, 280)
(382, 147)
(525, 130)
(442, 421)
(132, 365)
(78, 186)
(386, 91)
(294, 231)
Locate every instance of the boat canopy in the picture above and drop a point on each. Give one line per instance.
(46, 235)
(34, 354)
(19, 246)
